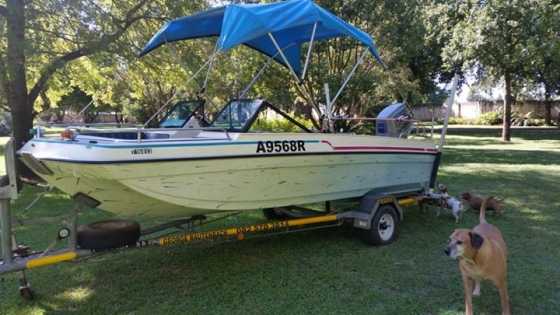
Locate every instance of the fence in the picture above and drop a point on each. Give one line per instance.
(472, 110)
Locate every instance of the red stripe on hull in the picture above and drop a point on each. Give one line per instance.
(380, 148)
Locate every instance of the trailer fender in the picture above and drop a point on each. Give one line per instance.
(369, 205)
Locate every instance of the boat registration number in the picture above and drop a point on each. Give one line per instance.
(280, 146)
(141, 151)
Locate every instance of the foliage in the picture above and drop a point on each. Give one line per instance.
(413, 60)
(280, 125)
(74, 101)
(492, 37)
(93, 45)
(489, 118)
(544, 65)
(457, 121)
(147, 83)
(42, 37)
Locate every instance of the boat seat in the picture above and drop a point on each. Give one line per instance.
(153, 135)
(127, 135)
(114, 135)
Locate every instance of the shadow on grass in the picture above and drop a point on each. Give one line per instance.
(474, 141)
(532, 134)
(327, 271)
(461, 156)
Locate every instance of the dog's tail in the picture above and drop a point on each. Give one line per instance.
(482, 218)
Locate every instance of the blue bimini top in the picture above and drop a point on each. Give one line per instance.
(290, 22)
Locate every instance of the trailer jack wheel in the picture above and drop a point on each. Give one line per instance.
(25, 290)
(384, 228)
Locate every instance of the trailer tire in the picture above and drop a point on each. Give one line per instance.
(26, 293)
(384, 228)
(108, 234)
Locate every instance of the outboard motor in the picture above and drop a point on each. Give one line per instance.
(394, 121)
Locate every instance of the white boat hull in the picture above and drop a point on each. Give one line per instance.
(229, 177)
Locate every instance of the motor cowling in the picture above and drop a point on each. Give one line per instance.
(394, 120)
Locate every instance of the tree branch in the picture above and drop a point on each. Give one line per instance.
(93, 47)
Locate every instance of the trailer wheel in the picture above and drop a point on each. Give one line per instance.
(384, 227)
(109, 234)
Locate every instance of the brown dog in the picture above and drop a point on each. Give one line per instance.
(482, 255)
(475, 202)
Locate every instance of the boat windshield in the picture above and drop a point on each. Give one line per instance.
(180, 114)
(237, 115)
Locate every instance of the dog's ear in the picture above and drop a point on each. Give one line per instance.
(476, 240)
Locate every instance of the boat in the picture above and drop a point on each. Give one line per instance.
(181, 168)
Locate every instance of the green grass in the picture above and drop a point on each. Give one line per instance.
(328, 271)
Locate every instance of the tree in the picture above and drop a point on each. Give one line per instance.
(544, 64)
(92, 45)
(491, 37)
(140, 86)
(413, 59)
(43, 36)
(74, 101)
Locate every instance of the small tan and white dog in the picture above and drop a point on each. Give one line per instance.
(482, 255)
(449, 202)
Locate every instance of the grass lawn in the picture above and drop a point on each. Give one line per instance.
(326, 271)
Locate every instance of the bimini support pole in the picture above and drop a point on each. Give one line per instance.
(85, 107)
(256, 77)
(210, 66)
(359, 62)
(327, 120)
(281, 52)
(308, 58)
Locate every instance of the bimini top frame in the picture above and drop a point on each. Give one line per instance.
(277, 30)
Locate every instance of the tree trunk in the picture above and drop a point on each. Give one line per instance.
(18, 101)
(20, 107)
(506, 129)
(547, 107)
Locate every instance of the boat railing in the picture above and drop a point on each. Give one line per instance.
(86, 125)
(39, 132)
(421, 128)
(374, 119)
